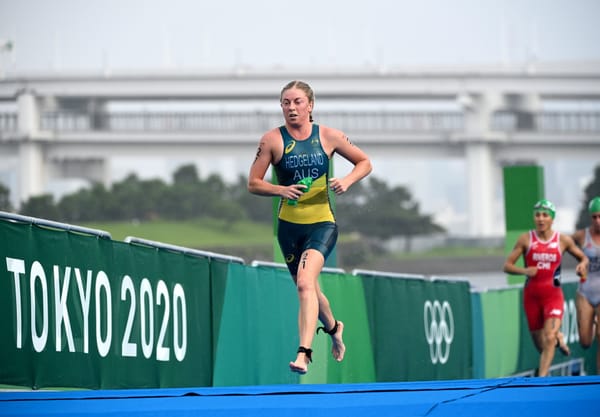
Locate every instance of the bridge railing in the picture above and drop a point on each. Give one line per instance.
(247, 121)
(8, 122)
(433, 121)
(554, 121)
(570, 122)
(189, 121)
(395, 121)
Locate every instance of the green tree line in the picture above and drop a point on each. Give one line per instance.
(370, 207)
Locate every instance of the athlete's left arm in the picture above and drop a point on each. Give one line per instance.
(339, 143)
(570, 246)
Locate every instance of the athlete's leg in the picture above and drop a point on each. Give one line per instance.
(338, 349)
(562, 344)
(585, 320)
(311, 263)
(323, 239)
(535, 320)
(549, 339)
(538, 339)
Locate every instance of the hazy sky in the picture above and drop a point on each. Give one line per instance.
(187, 34)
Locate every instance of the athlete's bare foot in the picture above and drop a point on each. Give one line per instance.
(338, 349)
(564, 348)
(300, 365)
(304, 356)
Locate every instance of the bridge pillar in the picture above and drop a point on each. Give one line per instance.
(479, 111)
(31, 156)
(480, 182)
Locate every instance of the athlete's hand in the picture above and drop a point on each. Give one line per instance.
(531, 271)
(337, 186)
(581, 270)
(294, 191)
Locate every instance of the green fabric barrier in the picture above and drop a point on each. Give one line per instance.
(240, 321)
(258, 335)
(270, 332)
(219, 271)
(347, 300)
(420, 329)
(478, 337)
(109, 302)
(33, 258)
(178, 272)
(500, 311)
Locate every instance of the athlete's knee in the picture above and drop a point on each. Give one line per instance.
(305, 284)
(585, 340)
(550, 337)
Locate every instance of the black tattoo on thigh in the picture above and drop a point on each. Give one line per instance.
(304, 259)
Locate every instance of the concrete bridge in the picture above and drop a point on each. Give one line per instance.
(72, 125)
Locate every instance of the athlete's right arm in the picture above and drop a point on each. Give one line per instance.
(510, 266)
(258, 169)
(270, 149)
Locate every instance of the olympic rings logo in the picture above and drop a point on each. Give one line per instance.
(439, 329)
